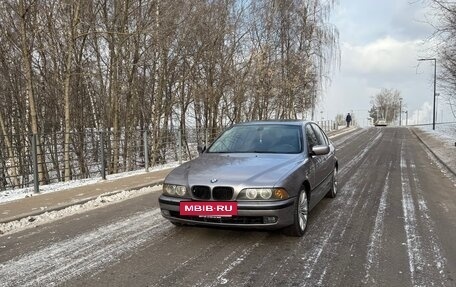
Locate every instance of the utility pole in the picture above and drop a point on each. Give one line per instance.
(400, 111)
(435, 83)
(314, 94)
(436, 106)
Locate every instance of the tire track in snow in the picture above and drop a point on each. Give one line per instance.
(221, 278)
(321, 232)
(257, 268)
(376, 236)
(438, 258)
(229, 262)
(357, 158)
(414, 244)
(185, 264)
(284, 264)
(341, 220)
(73, 257)
(348, 138)
(344, 216)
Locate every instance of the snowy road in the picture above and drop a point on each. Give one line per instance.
(392, 224)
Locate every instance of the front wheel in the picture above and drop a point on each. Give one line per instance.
(333, 191)
(301, 212)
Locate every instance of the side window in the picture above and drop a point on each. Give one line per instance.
(320, 137)
(311, 137)
(324, 136)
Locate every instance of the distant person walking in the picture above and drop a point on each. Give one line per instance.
(348, 119)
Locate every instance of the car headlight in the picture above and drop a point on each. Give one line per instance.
(174, 190)
(250, 193)
(263, 194)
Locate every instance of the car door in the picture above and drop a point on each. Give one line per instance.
(326, 161)
(316, 163)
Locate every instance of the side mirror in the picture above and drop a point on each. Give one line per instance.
(320, 149)
(201, 149)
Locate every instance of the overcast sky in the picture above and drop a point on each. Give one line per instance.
(380, 43)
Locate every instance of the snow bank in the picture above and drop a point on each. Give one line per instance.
(101, 201)
(445, 132)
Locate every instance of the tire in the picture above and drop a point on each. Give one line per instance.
(334, 187)
(301, 215)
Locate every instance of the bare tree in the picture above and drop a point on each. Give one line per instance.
(27, 15)
(71, 36)
(123, 65)
(386, 105)
(445, 34)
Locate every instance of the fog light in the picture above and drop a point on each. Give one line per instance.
(165, 212)
(269, 219)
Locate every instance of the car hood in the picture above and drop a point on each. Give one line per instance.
(241, 170)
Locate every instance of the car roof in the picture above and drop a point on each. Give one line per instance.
(276, 122)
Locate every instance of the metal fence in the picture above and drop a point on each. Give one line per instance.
(328, 125)
(34, 160)
(430, 124)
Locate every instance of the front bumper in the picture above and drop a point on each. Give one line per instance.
(254, 214)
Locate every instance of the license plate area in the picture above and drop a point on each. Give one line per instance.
(208, 208)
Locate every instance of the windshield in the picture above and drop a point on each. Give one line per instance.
(272, 138)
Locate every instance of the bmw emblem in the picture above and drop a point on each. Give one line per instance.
(214, 180)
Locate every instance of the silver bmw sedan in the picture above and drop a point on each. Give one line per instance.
(262, 174)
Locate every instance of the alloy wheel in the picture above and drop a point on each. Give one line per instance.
(303, 209)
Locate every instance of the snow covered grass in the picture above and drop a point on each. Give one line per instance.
(14, 194)
(446, 132)
(443, 145)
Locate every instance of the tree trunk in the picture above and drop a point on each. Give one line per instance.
(13, 164)
(66, 88)
(28, 74)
